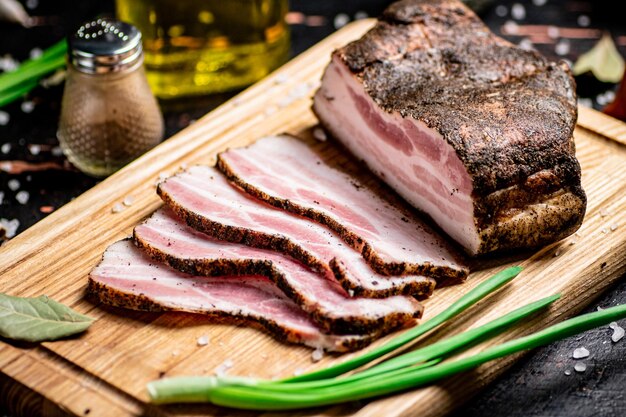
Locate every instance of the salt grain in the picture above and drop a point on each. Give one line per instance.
(1, 197)
(175, 353)
(501, 10)
(270, 110)
(299, 90)
(510, 28)
(341, 20)
(518, 12)
(10, 227)
(5, 148)
(317, 355)
(539, 3)
(319, 134)
(526, 44)
(613, 227)
(604, 230)
(603, 212)
(580, 367)
(35, 53)
(284, 102)
(13, 184)
(57, 151)
(8, 63)
(583, 20)
(351, 293)
(34, 149)
(281, 78)
(360, 15)
(203, 340)
(32, 4)
(553, 32)
(557, 253)
(618, 333)
(4, 118)
(599, 308)
(224, 367)
(128, 200)
(562, 47)
(585, 102)
(568, 372)
(580, 353)
(118, 208)
(27, 106)
(298, 371)
(22, 197)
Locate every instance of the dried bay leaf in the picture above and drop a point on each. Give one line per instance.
(603, 61)
(38, 319)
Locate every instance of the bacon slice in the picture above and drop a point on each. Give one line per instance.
(285, 172)
(203, 198)
(126, 277)
(168, 240)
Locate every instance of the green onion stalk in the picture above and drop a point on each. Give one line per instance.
(257, 397)
(16, 83)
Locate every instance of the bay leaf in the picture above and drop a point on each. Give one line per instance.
(603, 61)
(38, 319)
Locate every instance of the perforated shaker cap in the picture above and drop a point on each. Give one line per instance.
(105, 45)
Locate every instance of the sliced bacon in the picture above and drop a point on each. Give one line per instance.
(285, 172)
(126, 277)
(168, 240)
(203, 198)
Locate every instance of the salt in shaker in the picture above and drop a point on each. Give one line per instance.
(109, 116)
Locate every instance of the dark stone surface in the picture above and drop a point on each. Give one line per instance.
(536, 386)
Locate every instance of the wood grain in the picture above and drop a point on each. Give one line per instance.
(106, 369)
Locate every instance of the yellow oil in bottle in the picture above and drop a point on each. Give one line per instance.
(196, 47)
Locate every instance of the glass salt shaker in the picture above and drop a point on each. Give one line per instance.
(109, 116)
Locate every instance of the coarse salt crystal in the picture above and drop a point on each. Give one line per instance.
(5, 148)
(553, 32)
(32, 4)
(281, 78)
(604, 212)
(35, 53)
(1, 197)
(518, 11)
(526, 44)
(57, 151)
(613, 227)
(599, 308)
(10, 227)
(341, 20)
(360, 15)
(557, 253)
(264, 355)
(562, 47)
(317, 355)
(319, 134)
(618, 333)
(583, 20)
(501, 10)
(118, 208)
(203, 340)
(13, 184)
(573, 242)
(298, 371)
(4, 118)
(128, 200)
(27, 106)
(351, 293)
(585, 102)
(175, 353)
(580, 367)
(604, 230)
(34, 149)
(539, 3)
(22, 197)
(284, 102)
(299, 90)
(568, 372)
(580, 353)
(510, 28)
(224, 367)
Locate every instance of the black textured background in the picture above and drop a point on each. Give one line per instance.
(535, 386)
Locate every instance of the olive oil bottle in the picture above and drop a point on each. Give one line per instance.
(196, 47)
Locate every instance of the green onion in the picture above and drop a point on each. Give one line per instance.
(472, 297)
(256, 397)
(16, 83)
(423, 357)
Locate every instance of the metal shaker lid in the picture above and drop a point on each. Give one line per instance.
(105, 45)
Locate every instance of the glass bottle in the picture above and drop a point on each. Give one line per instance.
(198, 47)
(109, 116)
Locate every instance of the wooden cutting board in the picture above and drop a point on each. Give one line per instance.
(105, 371)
